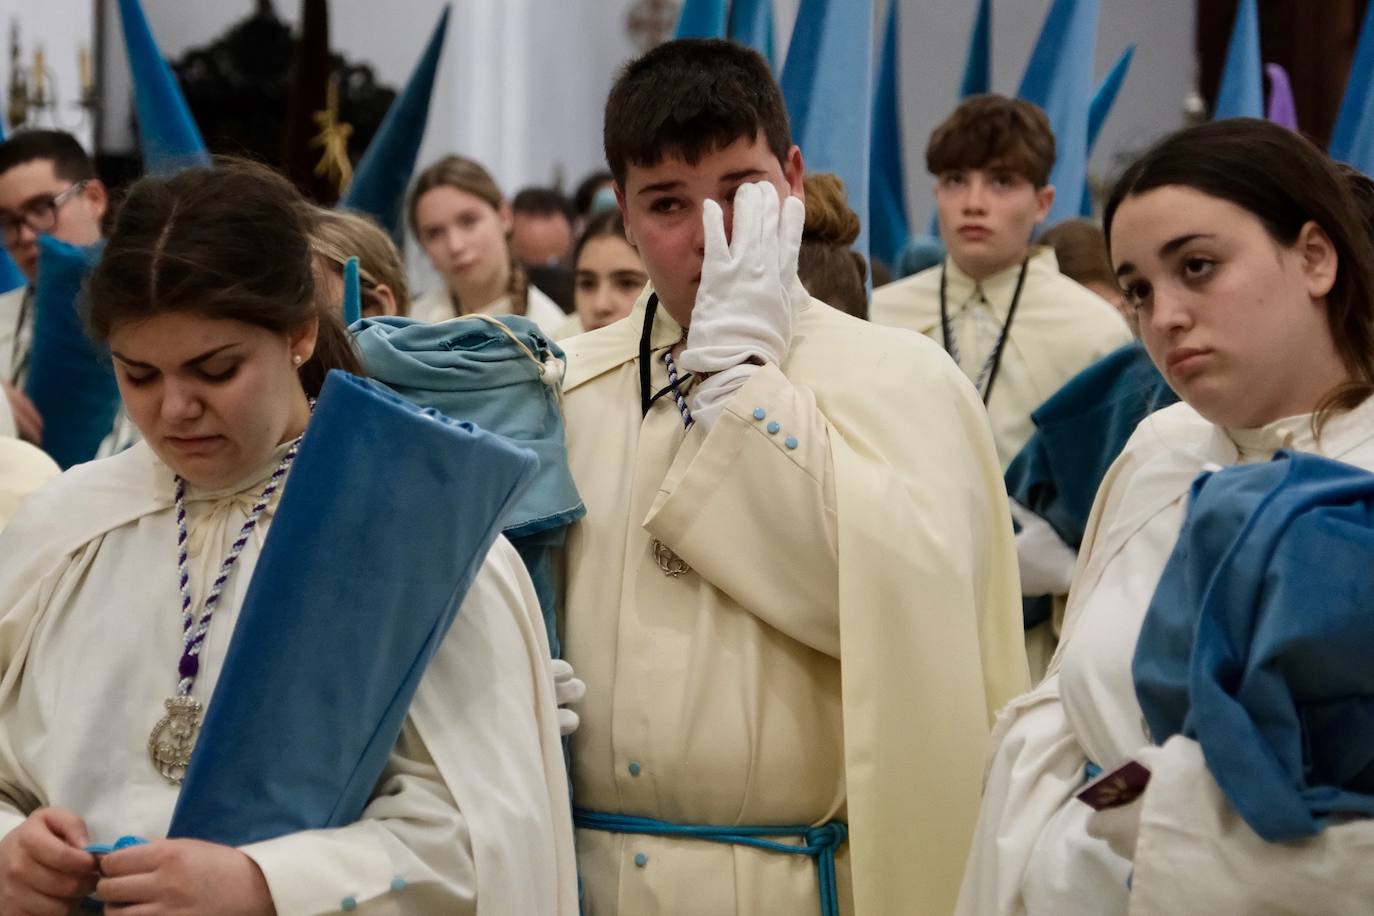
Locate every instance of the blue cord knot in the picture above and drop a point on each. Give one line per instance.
(829, 835)
(819, 843)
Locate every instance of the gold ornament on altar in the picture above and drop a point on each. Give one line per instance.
(334, 163)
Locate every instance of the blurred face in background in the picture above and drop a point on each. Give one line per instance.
(541, 238)
(35, 201)
(986, 217)
(609, 278)
(464, 237)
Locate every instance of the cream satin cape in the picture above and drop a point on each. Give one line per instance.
(506, 829)
(929, 599)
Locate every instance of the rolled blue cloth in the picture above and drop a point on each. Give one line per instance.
(495, 377)
(1079, 432)
(1259, 640)
(70, 380)
(387, 514)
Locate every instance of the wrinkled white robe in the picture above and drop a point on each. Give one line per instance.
(23, 469)
(1032, 853)
(471, 813)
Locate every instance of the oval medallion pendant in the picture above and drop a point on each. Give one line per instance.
(174, 737)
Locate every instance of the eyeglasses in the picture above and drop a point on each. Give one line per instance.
(39, 214)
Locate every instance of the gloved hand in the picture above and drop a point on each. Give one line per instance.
(1046, 562)
(749, 296)
(567, 688)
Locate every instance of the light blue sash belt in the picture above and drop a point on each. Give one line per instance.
(819, 843)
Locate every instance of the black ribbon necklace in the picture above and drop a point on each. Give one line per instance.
(988, 374)
(646, 399)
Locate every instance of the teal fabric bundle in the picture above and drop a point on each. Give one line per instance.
(501, 374)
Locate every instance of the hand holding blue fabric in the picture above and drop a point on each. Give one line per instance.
(43, 867)
(184, 876)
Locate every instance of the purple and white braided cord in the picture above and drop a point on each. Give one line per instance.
(193, 632)
(687, 419)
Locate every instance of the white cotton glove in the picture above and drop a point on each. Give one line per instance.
(1046, 562)
(567, 688)
(749, 296)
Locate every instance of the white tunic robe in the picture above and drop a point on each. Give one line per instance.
(849, 624)
(471, 812)
(23, 469)
(437, 305)
(1032, 852)
(1059, 329)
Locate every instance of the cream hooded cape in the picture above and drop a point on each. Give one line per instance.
(929, 627)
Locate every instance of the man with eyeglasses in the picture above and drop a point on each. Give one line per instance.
(47, 187)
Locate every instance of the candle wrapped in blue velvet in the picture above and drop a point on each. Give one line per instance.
(70, 380)
(386, 517)
(1259, 640)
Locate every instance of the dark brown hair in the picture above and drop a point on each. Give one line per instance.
(689, 98)
(1285, 182)
(229, 242)
(607, 222)
(469, 176)
(1362, 190)
(829, 269)
(1080, 247)
(994, 131)
(69, 160)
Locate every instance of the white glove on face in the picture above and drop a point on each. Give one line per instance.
(744, 312)
(1046, 562)
(567, 688)
(749, 295)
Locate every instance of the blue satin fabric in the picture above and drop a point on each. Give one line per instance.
(471, 370)
(1259, 642)
(386, 517)
(1079, 432)
(70, 380)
